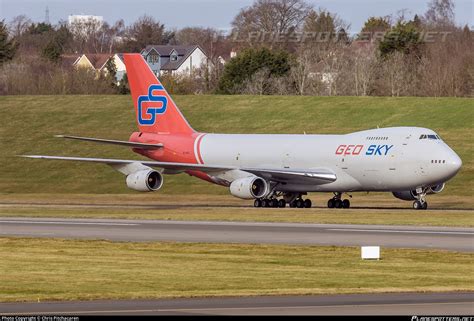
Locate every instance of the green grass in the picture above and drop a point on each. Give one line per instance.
(55, 269)
(27, 124)
(389, 211)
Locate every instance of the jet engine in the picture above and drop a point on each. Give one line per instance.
(145, 181)
(436, 189)
(411, 195)
(249, 187)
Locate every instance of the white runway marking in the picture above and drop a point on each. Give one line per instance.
(397, 231)
(69, 223)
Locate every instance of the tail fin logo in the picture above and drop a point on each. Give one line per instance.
(151, 105)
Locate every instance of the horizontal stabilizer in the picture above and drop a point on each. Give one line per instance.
(114, 142)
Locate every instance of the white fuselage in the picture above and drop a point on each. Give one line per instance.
(386, 159)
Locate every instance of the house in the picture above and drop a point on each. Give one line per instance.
(174, 59)
(95, 62)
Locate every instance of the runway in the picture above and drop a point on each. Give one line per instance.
(456, 239)
(359, 304)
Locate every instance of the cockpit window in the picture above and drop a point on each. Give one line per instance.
(429, 137)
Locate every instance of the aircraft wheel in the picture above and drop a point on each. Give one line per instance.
(346, 203)
(331, 203)
(273, 203)
(417, 205)
(425, 205)
(299, 203)
(257, 203)
(307, 203)
(282, 203)
(337, 203)
(265, 203)
(293, 204)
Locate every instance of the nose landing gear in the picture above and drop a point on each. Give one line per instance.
(420, 203)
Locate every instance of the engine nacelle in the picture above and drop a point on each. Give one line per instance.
(411, 195)
(405, 195)
(145, 181)
(249, 187)
(436, 189)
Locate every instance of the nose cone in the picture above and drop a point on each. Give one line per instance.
(454, 163)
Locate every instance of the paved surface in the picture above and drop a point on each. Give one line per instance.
(399, 303)
(458, 239)
(172, 205)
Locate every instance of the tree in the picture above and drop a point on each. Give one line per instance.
(123, 87)
(19, 25)
(146, 31)
(440, 13)
(111, 73)
(241, 68)
(7, 46)
(270, 20)
(372, 26)
(39, 28)
(404, 37)
(52, 51)
(320, 22)
(324, 27)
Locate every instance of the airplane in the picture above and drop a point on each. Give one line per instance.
(274, 170)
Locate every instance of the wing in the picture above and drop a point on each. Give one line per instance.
(125, 166)
(298, 176)
(118, 162)
(114, 142)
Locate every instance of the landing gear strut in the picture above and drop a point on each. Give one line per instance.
(337, 202)
(420, 203)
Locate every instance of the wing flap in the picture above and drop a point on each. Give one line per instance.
(298, 176)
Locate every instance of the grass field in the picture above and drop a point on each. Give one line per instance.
(55, 269)
(27, 124)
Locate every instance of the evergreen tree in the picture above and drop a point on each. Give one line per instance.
(404, 37)
(111, 72)
(248, 63)
(7, 46)
(123, 87)
(52, 51)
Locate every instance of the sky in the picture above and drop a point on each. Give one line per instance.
(212, 13)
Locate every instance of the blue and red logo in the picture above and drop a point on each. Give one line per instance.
(151, 105)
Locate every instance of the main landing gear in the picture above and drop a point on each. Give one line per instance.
(420, 203)
(269, 202)
(294, 200)
(337, 202)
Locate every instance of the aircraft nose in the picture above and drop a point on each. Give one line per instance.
(454, 163)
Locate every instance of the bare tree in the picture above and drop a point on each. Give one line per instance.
(270, 20)
(440, 13)
(19, 25)
(365, 68)
(146, 31)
